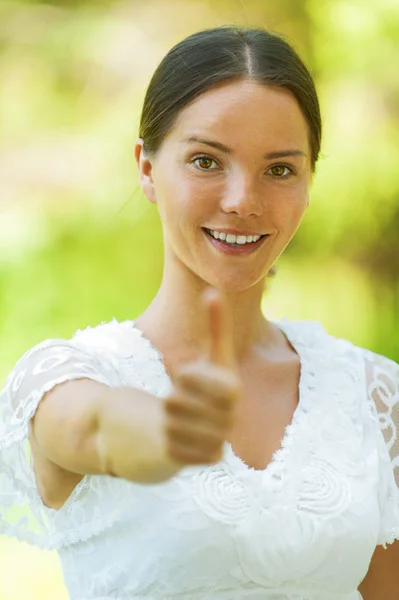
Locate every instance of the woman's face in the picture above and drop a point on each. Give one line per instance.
(238, 159)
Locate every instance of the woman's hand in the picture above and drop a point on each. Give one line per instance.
(200, 410)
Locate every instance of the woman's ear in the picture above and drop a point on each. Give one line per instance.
(144, 165)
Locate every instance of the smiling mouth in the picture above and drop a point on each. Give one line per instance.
(234, 244)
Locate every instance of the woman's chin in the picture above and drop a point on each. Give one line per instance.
(233, 284)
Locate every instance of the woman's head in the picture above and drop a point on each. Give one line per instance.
(229, 137)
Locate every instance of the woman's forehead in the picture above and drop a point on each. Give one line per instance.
(243, 106)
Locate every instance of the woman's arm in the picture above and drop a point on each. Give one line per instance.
(382, 579)
(86, 427)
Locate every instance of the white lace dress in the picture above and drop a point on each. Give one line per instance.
(305, 528)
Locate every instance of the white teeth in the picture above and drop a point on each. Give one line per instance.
(235, 239)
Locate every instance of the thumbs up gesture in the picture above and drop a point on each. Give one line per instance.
(200, 410)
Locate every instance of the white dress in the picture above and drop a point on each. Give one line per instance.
(305, 528)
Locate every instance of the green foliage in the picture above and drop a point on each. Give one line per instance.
(89, 273)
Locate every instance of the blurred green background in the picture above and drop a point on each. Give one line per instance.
(80, 244)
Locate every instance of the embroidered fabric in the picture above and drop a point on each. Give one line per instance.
(303, 528)
(383, 396)
(22, 513)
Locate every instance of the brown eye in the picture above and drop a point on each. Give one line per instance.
(204, 162)
(280, 171)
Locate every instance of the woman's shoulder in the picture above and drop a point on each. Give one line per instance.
(104, 328)
(112, 335)
(313, 335)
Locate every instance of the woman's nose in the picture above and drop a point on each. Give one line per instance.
(243, 196)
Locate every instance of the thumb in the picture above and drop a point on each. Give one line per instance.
(221, 347)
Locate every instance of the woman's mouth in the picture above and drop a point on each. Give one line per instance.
(237, 245)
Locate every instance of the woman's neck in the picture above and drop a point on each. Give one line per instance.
(176, 321)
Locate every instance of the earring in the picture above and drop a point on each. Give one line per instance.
(273, 271)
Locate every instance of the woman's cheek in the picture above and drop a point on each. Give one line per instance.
(293, 194)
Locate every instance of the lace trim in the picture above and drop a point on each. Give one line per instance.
(382, 383)
(86, 513)
(388, 536)
(278, 469)
(304, 340)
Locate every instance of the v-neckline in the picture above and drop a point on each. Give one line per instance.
(286, 328)
(278, 455)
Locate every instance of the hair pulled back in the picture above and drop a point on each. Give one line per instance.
(208, 57)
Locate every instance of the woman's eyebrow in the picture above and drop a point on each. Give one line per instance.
(214, 144)
(227, 150)
(282, 153)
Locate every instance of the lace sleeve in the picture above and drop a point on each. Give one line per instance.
(22, 512)
(383, 393)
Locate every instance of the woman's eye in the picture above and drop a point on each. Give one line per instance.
(204, 162)
(280, 171)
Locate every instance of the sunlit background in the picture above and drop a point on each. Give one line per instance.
(80, 244)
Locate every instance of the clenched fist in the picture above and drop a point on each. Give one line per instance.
(200, 410)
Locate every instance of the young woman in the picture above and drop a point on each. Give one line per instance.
(203, 451)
